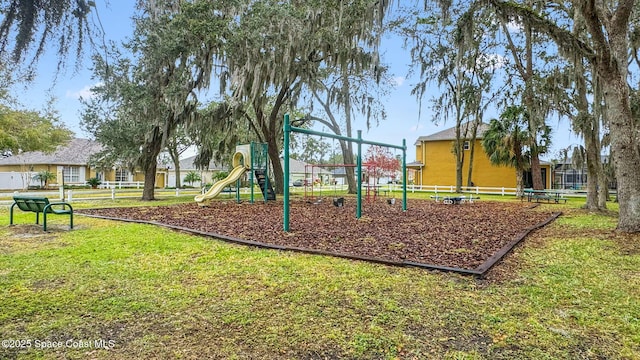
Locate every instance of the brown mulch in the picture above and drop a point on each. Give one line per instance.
(459, 236)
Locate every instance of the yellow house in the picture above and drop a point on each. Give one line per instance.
(436, 165)
(69, 164)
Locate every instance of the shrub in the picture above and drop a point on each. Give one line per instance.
(94, 182)
(192, 177)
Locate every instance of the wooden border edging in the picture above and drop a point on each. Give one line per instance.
(495, 258)
(480, 271)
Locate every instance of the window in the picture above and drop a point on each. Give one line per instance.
(71, 174)
(122, 175)
(466, 145)
(576, 178)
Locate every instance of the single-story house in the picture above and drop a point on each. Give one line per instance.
(186, 166)
(435, 163)
(300, 170)
(69, 164)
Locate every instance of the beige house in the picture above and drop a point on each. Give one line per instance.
(69, 164)
(186, 166)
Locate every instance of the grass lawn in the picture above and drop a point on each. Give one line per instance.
(115, 290)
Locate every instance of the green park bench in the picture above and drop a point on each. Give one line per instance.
(41, 205)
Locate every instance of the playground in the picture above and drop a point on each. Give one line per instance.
(151, 290)
(461, 236)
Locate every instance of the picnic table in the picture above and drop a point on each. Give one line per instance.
(454, 200)
(544, 195)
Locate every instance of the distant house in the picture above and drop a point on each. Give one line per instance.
(340, 175)
(69, 163)
(187, 165)
(300, 170)
(569, 176)
(435, 163)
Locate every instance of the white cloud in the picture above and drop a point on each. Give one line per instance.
(84, 93)
(398, 80)
(492, 61)
(514, 26)
(416, 127)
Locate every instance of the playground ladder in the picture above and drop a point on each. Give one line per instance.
(269, 193)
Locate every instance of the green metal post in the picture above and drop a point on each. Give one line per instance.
(359, 181)
(404, 174)
(287, 132)
(238, 191)
(265, 155)
(252, 154)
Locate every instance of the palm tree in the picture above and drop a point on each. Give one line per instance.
(44, 177)
(578, 161)
(192, 177)
(505, 140)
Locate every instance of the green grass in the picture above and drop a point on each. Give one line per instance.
(569, 292)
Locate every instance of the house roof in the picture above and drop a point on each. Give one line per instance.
(188, 164)
(339, 171)
(298, 167)
(75, 152)
(450, 133)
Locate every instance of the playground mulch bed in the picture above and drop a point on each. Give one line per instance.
(458, 236)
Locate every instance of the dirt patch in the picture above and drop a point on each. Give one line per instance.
(461, 236)
(26, 236)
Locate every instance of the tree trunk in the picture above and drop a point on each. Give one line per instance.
(588, 125)
(274, 156)
(350, 173)
(148, 193)
(593, 163)
(526, 73)
(625, 152)
(472, 148)
(519, 183)
(348, 155)
(175, 157)
(603, 188)
(149, 163)
(177, 171)
(612, 68)
(609, 31)
(458, 152)
(536, 172)
(459, 159)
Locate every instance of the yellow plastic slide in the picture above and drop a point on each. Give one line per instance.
(217, 187)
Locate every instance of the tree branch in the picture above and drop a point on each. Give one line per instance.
(564, 38)
(620, 19)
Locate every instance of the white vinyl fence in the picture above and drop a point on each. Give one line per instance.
(122, 190)
(95, 194)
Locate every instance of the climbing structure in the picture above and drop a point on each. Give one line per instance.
(260, 169)
(249, 157)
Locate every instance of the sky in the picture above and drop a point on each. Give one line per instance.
(403, 119)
